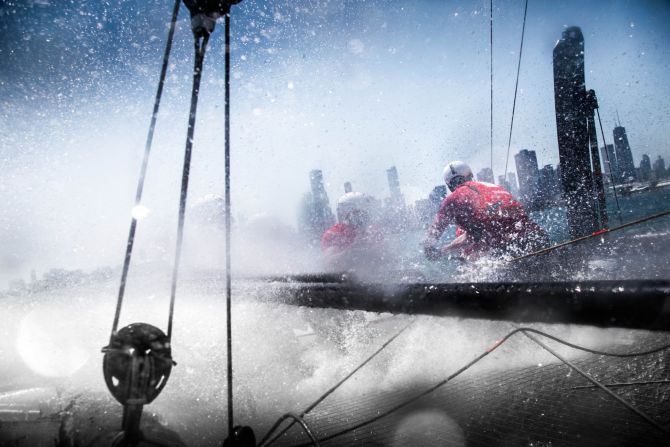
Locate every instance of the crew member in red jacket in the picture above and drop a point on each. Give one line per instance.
(353, 242)
(489, 220)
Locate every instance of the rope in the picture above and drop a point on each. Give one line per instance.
(516, 88)
(495, 346)
(491, 49)
(229, 333)
(599, 385)
(300, 421)
(597, 233)
(267, 442)
(200, 45)
(607, 155)
(611, 385)
(145, 163)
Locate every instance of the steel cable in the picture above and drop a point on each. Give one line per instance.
(516, 88)
(609, 163)
(266, 441)
(491, 71)
(200, 46)
(470, 364)
(229, 331)
(145, 163)
(589, 236)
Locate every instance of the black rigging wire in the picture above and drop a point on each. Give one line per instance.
(145, 163)
(589, 236)
(296, 419)
(266, 441)
(611, 393)
(620, 384)
(609, 163)
(491, 50)
(516, 88)
(229, 333)
(200, 46)
(497, 344)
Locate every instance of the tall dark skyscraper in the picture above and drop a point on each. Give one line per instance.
(610, 167)
(659, 168)
(573, 134)
(315, 214)
(623, 155)
(547, 184)
(526, 169)
(397, 200)
(645, 168)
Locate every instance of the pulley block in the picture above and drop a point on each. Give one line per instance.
(204, 14)
(137, 363)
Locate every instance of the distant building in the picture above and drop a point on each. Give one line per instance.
(548, 185)
(347, 187)
(645, 168)
(528, 172)
(424, 211)
(315, 214)
(659, 168)
(396, 200)
(485, 175)
(610, 168)
(624, 156)
(511, 183)
(438, 194)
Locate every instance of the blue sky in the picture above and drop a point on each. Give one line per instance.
(350, 87)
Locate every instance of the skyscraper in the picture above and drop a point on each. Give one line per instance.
(547, 184)
(610, 167)
(315, 213)
(347, 187)
(437, 195)
(572, 132)
(624, 155)
(397, 200)
(659, 168)
(512, 184)
(485, 175)
(526, 169)
(645, 168)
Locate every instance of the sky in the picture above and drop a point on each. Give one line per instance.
(349, 87)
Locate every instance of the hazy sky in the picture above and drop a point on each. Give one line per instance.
(349, 87)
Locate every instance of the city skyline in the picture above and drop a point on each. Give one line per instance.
(352, 88)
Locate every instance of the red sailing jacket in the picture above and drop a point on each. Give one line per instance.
(342, 236)
(488, 214)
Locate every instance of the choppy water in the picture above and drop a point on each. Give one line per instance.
(284, 356)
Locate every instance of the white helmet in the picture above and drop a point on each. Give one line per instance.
(456, 170)
(354, 203)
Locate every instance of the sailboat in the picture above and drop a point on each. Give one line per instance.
(575, 352)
